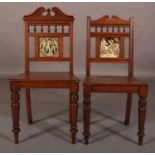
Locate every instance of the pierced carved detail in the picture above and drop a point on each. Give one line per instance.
(114, 20)
(52, 13)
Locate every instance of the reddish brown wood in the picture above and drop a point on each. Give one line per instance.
(41, 17)
(28, 105)
(67, 80)
(143, 93)
(109, 60)
(15, 106)
(109, 34)
(49, 59)
(86, 112)
(114, 21)
(26, 48)
(128, 109)
(71, 47)
(114, 84)
(88, 48)
(98, 41)
(122, 47)
(73, 115)
(46, 34)
(38, 15)
(131, 47)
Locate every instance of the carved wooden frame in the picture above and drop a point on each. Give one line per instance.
(107, 21)
(48, 17)
(38, 15)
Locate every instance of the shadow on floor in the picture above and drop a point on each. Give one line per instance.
(151, 140)
(55, 130)
(53, 115)
(98, 136)
(3, 136)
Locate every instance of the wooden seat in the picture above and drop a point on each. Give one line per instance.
(47, 76)
(114, 38)
(48, 28)
(113, 80)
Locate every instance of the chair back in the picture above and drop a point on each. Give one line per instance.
(48, 27)
(110, 35)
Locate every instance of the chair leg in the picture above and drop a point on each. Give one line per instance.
(73, 115)
(70, 107)
(128, 109)
(86, 115)
(15, 106)
(141, 118)
(28, 105)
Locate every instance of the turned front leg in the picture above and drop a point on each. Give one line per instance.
(73, 115)
(15, 106)
(86, 118)
(141, 118)
(142, 112)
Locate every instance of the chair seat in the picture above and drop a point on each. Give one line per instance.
(112, 80)
(46, 76)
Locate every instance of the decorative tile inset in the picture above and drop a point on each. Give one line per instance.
(110, 48)
(49, 47)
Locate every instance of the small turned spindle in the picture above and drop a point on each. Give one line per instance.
(28, 29)
(102, 29)
(123, 29)
(34, 28)
(48, 28)
(62, 29)
(55, 29)
(95, 29)
(112, 29)
(68, 29)
(41, 28)
(118, 29)
(107, 29)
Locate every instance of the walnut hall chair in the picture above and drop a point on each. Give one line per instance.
(114, 43)
(48, 28)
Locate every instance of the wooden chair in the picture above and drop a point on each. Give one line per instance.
(110, 35)
(48, 27)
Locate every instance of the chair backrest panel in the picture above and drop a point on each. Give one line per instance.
(48, 27)
(110, 35)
